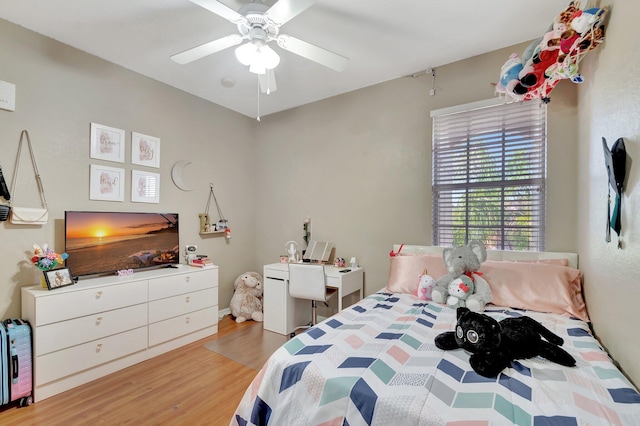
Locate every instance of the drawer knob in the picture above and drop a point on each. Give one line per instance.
(98, 320)
(99, 294)
(186, 299)
(98, 347)
(187, 320)
(187, 278)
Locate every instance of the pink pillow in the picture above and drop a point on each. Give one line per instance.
(405, 271)
(542, 287)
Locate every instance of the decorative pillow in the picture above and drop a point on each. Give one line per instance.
(542, 287)
(405, 271)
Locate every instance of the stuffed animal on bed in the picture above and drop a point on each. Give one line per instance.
(464, 261)
(494, 344)
(459, 290)
(246, 302)
(425, 286)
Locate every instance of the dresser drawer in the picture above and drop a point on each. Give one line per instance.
(60, 335)
(179, 305)
(169, 329)
(62, 306)
(72, 360)
(174, 285)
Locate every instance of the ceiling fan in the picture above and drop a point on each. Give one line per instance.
(259, 25)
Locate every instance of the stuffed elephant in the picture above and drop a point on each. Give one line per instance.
(460, 261)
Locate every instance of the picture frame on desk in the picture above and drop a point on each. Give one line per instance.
(57, 278)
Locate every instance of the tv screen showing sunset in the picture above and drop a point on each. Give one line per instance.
(104, 242)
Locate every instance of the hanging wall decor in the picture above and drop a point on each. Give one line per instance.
(615, 160)
(221, 226)
(555, 55)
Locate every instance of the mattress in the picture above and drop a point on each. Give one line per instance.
(376, 363)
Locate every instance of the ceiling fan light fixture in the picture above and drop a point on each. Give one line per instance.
(269, 57)
(246, 53)
(258, 57)
(257, 67)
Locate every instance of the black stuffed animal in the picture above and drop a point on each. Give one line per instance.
(495, 344)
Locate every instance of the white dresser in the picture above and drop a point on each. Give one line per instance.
(101, 325)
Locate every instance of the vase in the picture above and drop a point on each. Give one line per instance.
(38, 277)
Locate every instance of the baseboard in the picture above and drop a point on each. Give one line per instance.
(223, 312)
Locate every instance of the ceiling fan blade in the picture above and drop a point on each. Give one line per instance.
(285, 10)
(268, 82)
(206, 49)
(221, 10)
(312, 52)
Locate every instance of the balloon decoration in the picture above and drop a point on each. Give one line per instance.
(554, 56)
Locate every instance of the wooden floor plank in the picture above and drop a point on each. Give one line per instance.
(188, 386)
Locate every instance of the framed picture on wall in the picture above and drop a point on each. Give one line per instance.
(145, 187)
(107, 143)
(145, 150)
(106, 183)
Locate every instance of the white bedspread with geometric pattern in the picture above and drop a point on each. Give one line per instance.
(375, 363)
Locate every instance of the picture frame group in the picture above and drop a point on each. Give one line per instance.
(108, 183)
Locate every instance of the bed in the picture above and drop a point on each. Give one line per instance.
(375, 363)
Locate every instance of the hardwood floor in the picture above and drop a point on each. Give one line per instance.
(188, 386)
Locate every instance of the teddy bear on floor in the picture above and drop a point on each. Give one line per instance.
(495, 344)
(246, 302)
(464, 261)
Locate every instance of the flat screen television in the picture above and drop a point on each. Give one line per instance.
(100, 243)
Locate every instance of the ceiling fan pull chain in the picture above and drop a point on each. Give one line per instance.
(268, 83)
(258, 117)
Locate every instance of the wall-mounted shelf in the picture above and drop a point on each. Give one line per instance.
(213, 232)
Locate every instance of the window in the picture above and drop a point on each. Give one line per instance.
(489, 175)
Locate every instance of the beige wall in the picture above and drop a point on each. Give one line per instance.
(60, 91)
(359, 165)
(610, 107)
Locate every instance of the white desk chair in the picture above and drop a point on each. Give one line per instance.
(308, 281)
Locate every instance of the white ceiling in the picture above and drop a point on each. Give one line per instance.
(384, 39)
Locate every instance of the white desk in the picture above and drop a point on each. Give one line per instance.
(282, 313)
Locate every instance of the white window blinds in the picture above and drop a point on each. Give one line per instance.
(489, 174)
